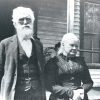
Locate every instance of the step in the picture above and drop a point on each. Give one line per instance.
(94, 93)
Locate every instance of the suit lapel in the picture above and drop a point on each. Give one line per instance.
(14, 48)
(38, 54)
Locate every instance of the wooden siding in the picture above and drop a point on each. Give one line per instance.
(77, 17)
(95, 75)
(52, 22)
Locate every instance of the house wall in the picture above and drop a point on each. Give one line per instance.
(77, 17)
(52, 21)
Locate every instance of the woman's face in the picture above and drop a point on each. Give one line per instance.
(71, 47)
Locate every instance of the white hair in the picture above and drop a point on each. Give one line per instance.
(65, 39)
(21, 12)
(68, 37)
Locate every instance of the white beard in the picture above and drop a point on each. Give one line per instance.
(25, 33)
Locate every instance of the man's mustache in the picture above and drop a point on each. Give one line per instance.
(26, 26)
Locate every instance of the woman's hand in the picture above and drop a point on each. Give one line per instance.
(78, 94)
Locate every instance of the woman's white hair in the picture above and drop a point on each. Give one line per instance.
(65, 39)
(20, 12)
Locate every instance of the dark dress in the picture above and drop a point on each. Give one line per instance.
(65, 74)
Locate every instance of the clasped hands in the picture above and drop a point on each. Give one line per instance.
(78, 94)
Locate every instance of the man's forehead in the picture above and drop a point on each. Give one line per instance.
(24, 16)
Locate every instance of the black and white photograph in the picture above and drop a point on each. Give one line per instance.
(49, 49)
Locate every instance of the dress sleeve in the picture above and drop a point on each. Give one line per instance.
(86, 78)
(52, 82)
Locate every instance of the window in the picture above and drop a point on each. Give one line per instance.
(90, 31)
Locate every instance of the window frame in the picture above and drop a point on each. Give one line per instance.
(82, 50)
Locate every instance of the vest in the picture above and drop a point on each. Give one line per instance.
(28, 72)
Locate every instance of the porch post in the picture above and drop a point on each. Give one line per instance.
(70, 16)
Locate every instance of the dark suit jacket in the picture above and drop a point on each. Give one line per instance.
(9, 64)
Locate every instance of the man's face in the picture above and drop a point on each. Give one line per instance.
(24, 26)
(71, 47)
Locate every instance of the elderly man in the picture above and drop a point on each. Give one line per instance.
(21, 60)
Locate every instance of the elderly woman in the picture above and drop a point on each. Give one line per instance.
(67, 75)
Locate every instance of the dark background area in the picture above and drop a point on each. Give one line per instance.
(6, 7)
